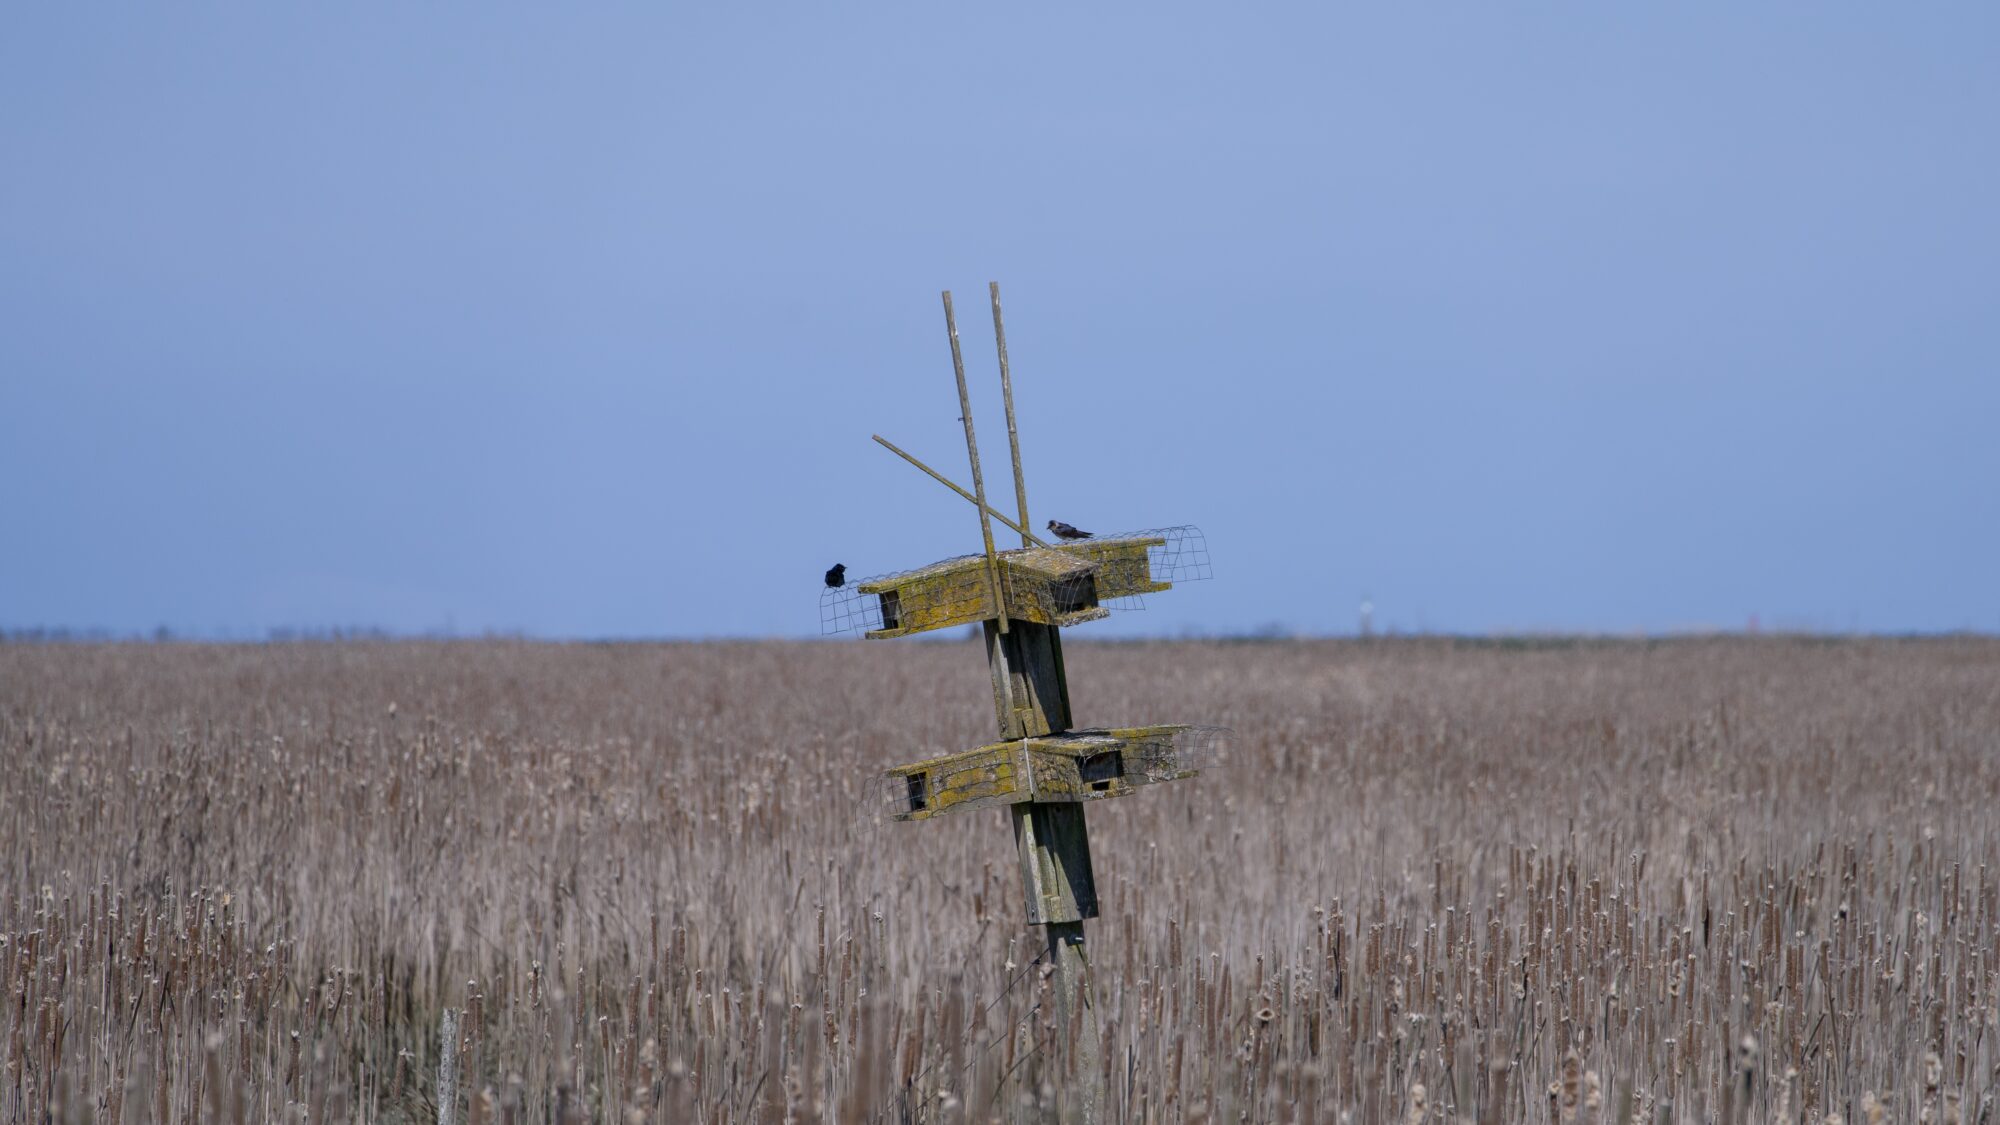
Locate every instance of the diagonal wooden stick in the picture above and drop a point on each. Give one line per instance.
(978, 478)
(970, 498)
(1007, 392)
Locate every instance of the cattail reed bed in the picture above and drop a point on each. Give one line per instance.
(1700, 880)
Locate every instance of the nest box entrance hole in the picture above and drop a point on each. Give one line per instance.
(915, 791)
(892, 610)
(1076, 595)
(1099, 770)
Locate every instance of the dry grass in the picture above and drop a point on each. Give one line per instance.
(1694, 881)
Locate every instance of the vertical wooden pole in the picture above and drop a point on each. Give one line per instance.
(1013, 435)
(1076, 1007)
(1040, 689)
(1054, 847)
(1055, 862)
(978, 478)
(1031, 698)
(1053, 843)
(1030, 692)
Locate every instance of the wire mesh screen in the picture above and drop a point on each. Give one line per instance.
(1179, 555)
(1183, 557)
(1177, 753)
(845, 609)
(886, 798)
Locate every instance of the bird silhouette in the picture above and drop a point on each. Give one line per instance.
(837, 576)
(1065, 531)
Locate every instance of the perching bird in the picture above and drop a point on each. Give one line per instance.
(837, 576)
(1065, 531)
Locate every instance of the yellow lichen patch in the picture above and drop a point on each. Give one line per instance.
(1073, 766)
(1123, 566)
(1042, 585)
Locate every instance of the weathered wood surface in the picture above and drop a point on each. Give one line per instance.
(1123, 566)
(1030, 692)
(1054, 850)
(1066, 768)
(1063, 585)
(1047, 586)
(1013, 434)
(972, 452)
(1076, 1007)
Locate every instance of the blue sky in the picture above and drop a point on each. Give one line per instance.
(492, 317)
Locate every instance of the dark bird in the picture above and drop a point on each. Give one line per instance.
(1065, 531)
(837, 576)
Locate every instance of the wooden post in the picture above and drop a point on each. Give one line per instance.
(1076, 1007)
(1053, 844)
(1054, 848)
(1055, 863)
(972, 451)
(1030, 693)
(1031, 697)
(1013, 436)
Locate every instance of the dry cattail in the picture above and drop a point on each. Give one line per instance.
(573, 808)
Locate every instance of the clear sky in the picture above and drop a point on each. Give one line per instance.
(496, 317)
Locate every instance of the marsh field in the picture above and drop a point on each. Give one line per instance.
(1750, 879)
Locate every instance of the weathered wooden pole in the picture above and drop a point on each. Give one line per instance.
(972, 452)
(1013, 435)
(1055, 866)
(1051, 838)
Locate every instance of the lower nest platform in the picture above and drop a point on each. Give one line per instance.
(1084, 765)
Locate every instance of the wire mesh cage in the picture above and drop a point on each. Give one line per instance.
(1183, 557)
(1180, 752)
(1172, 555)
(845, 609)
(1072, 582)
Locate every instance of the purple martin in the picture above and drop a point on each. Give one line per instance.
(1065, 531)
(837, 576)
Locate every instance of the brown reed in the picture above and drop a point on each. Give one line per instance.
(1698, 880)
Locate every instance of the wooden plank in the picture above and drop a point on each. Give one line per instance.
(1062, 767)
(1030, 696)
(972, 452)
(1076, 1008)
(1054, 850)
(954, 592)
(1124, 566)
(985, 777)
(1044, 586)
(1013, 435)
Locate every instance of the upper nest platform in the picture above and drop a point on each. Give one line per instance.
(1063, 584)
